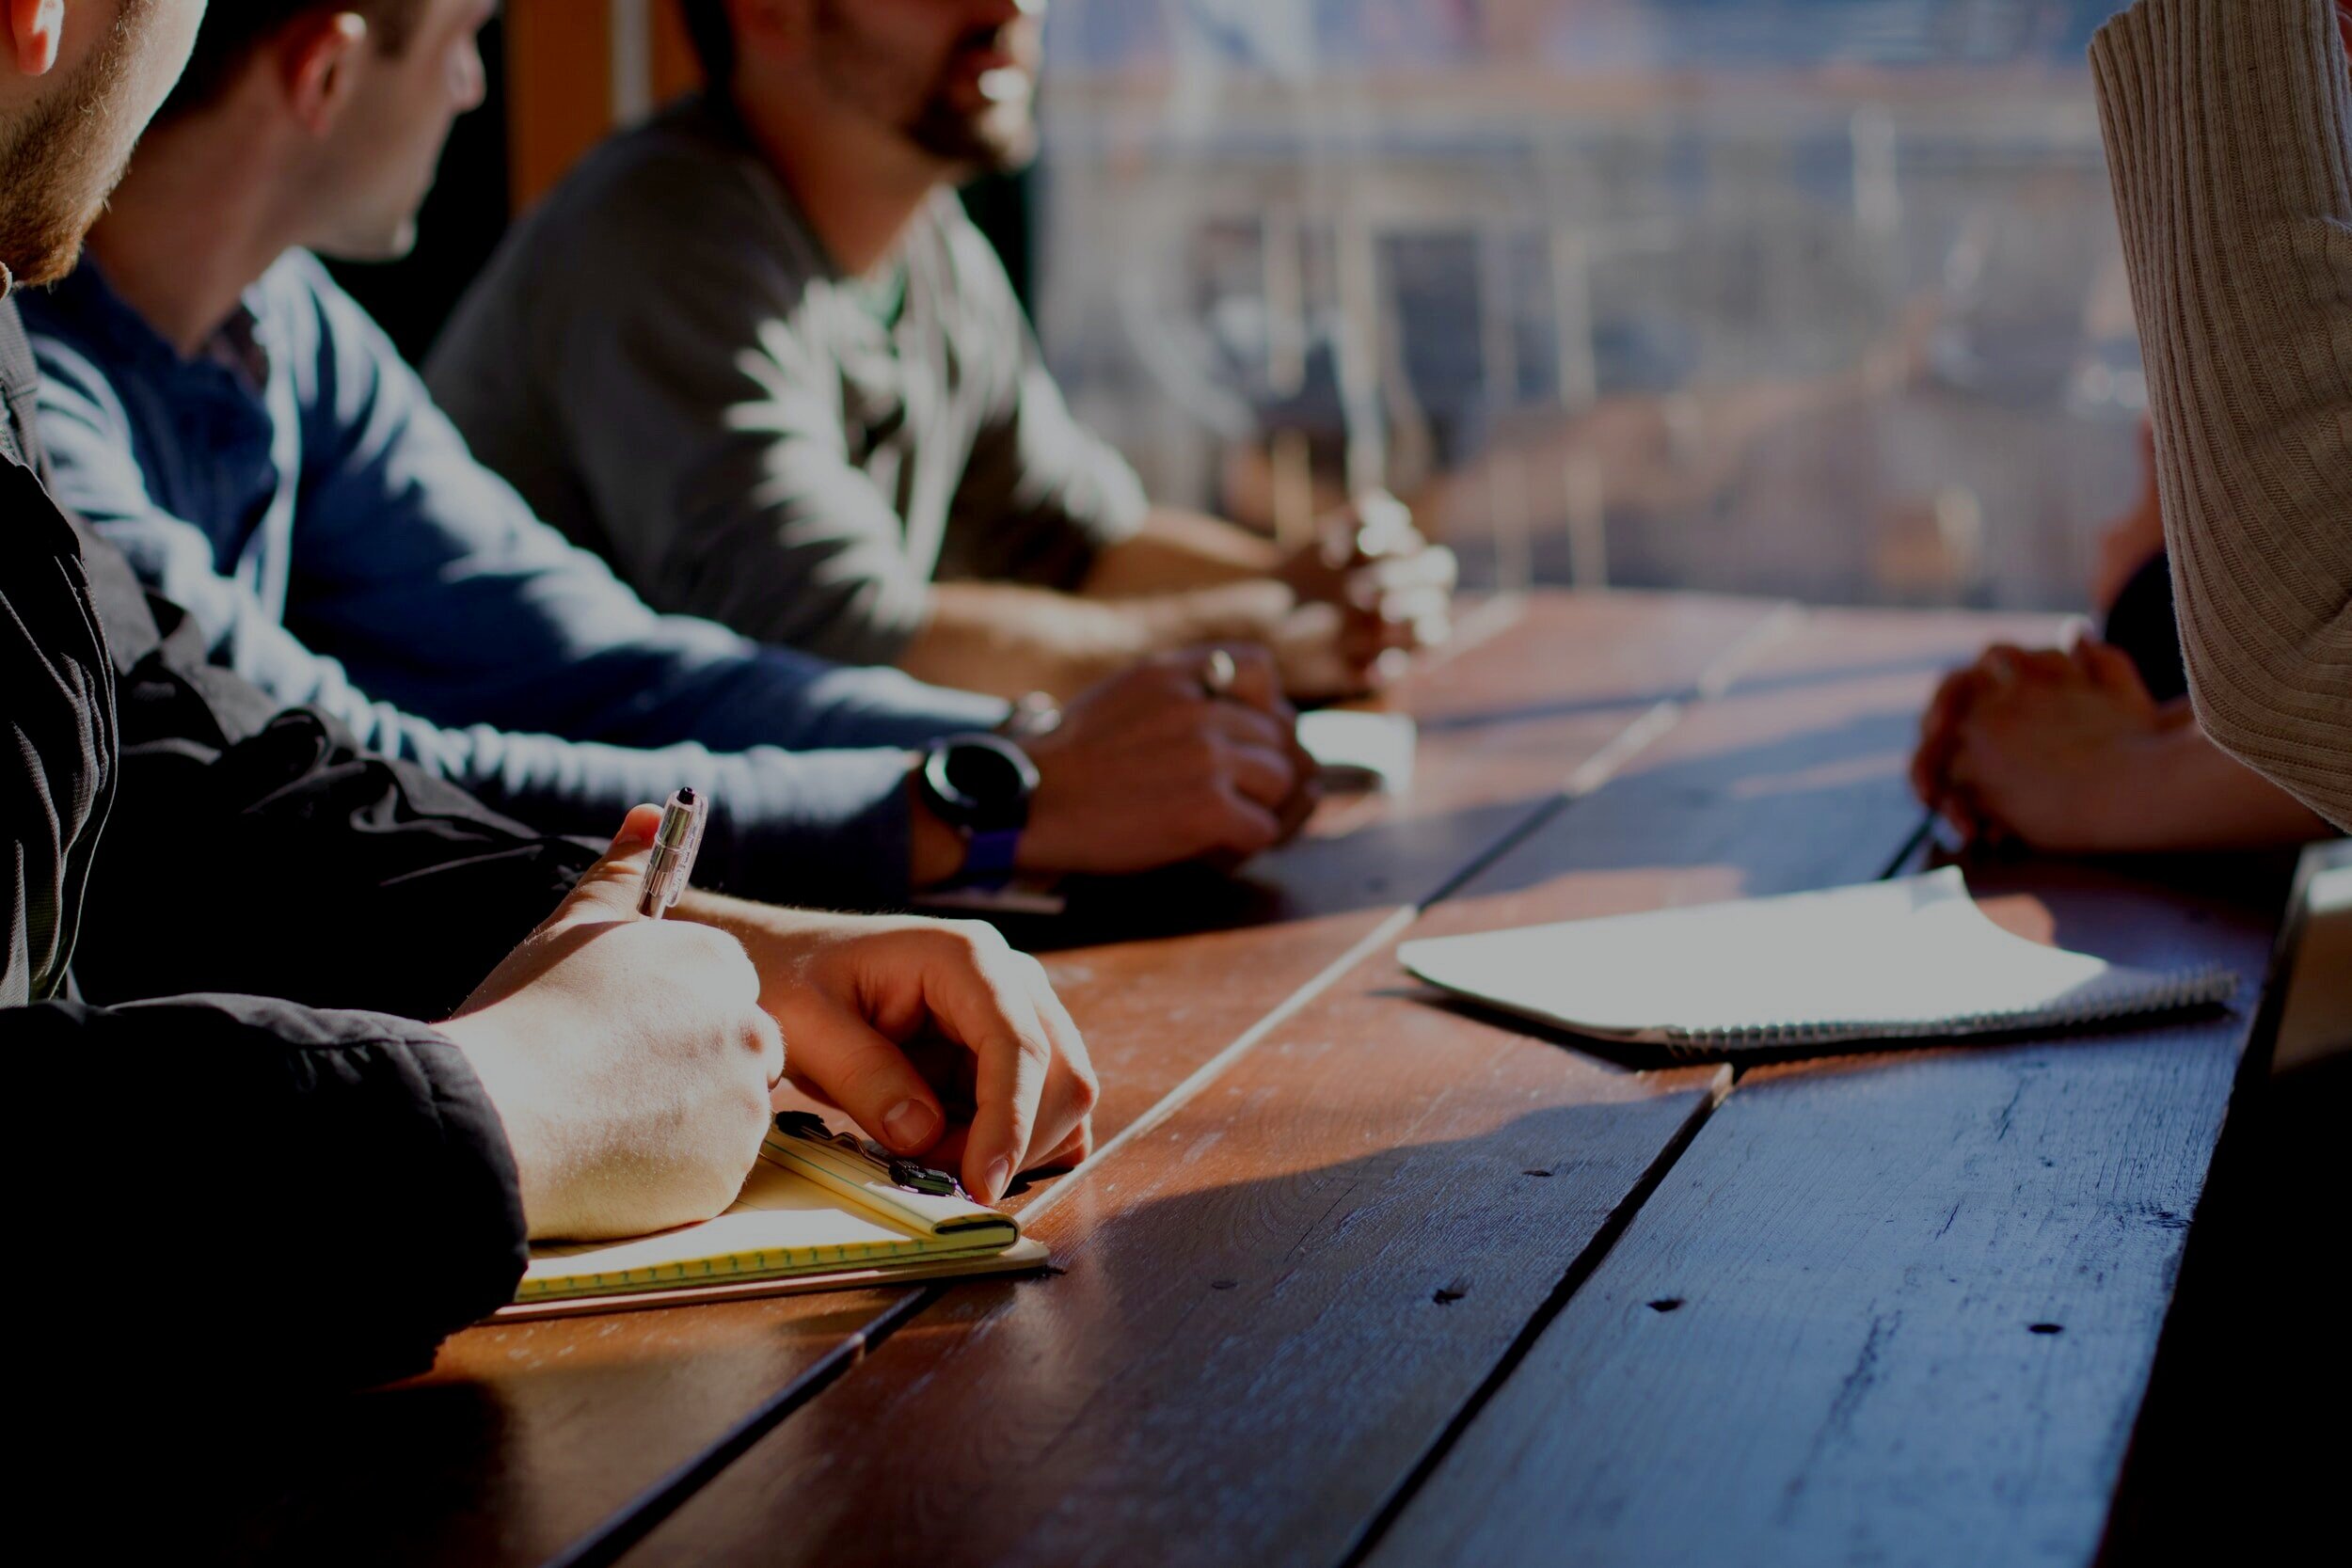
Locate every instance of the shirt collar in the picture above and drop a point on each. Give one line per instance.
(239, 346)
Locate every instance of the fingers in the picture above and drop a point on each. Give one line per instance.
(1236, 728)
(1261, 774)
(2005, 664)
(2111, 669)
(1063, 1131)
(1255, 684)
(1293, 813)
(1014, 1059)
(1033, 1086)
(1406, 623)
(1939, 733)
(843, 1058)
(1401, 602)
(1072, 1151)
(1425, 571)
(1234, 824)
(1259, 758)
(608, 889)
(1383, 526)
(711, 965)
(770, 1042)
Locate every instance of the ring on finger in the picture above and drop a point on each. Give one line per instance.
(1219, 675)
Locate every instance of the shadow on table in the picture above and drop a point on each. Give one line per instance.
(1229, 1329)
(1636, 1056)
(509, 1452)
(1811, 784)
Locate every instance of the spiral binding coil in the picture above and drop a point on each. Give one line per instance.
(2120, 996)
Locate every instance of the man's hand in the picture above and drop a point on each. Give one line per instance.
(1149, 768)
(1370, 589)
(627, 1058)
(937, 1039)
(2051, 748)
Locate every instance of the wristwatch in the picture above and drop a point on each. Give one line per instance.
(980, 785)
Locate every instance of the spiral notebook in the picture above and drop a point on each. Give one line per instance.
(819, 1210)
(1912, 959)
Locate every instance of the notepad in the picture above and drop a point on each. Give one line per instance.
(1356, 751)
(816, 1213)
(1911, 959)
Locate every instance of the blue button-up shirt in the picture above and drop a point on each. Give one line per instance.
(295, 489)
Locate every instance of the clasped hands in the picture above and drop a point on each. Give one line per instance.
(2046, 747)
(1371, 591)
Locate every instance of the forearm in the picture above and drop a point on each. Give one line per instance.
(825, 828)
(280, 827)
(1179, 551)
(2208, 800)
(2228, 124)
(339, 1180)
(1010, 641)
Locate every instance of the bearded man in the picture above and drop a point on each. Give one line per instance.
(755, 355)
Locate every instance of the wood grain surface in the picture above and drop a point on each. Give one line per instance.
(528, 1440)
(1281, 1292)
(1163, 974)
(1897, 1309)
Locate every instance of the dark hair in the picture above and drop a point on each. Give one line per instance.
(711, 31)
(233, 29)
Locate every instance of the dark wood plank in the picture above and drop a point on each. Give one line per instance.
(1888, 1309)
(1278, 1298)
(528, 1440)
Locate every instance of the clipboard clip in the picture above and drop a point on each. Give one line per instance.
(904, 1173)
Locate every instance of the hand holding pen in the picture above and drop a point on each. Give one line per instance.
(629, 1061)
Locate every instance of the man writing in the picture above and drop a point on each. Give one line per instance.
(225, 923)
(216, 407)
(755, 356)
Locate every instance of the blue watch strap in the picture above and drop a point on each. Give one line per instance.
(988, 861)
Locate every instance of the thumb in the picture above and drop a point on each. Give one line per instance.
(2111, 668)
(608, 889)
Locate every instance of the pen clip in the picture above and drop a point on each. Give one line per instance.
(904, 1173)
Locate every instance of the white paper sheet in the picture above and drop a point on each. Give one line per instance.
(1904, 958)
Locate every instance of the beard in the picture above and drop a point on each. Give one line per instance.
(60, 161)
(993, 137)
(997, 138)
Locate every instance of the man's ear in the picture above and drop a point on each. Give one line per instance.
(35, 28)
(316, 56)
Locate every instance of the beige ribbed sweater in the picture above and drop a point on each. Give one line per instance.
(2229, 132)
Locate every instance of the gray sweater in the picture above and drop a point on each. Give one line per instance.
(2229, 130)
(665, 361)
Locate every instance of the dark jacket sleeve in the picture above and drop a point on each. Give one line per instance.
(312, 1198)
(257, 850)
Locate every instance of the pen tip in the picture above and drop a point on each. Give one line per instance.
(686, 795)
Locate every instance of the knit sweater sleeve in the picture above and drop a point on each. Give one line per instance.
(2229, 136)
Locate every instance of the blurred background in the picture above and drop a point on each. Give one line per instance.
(1807, 297)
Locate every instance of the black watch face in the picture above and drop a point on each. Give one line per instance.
(981, 782)
(984, 775)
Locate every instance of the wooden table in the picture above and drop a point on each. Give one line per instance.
(1363, 1277)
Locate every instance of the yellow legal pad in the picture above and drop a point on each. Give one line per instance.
(815, 1213)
